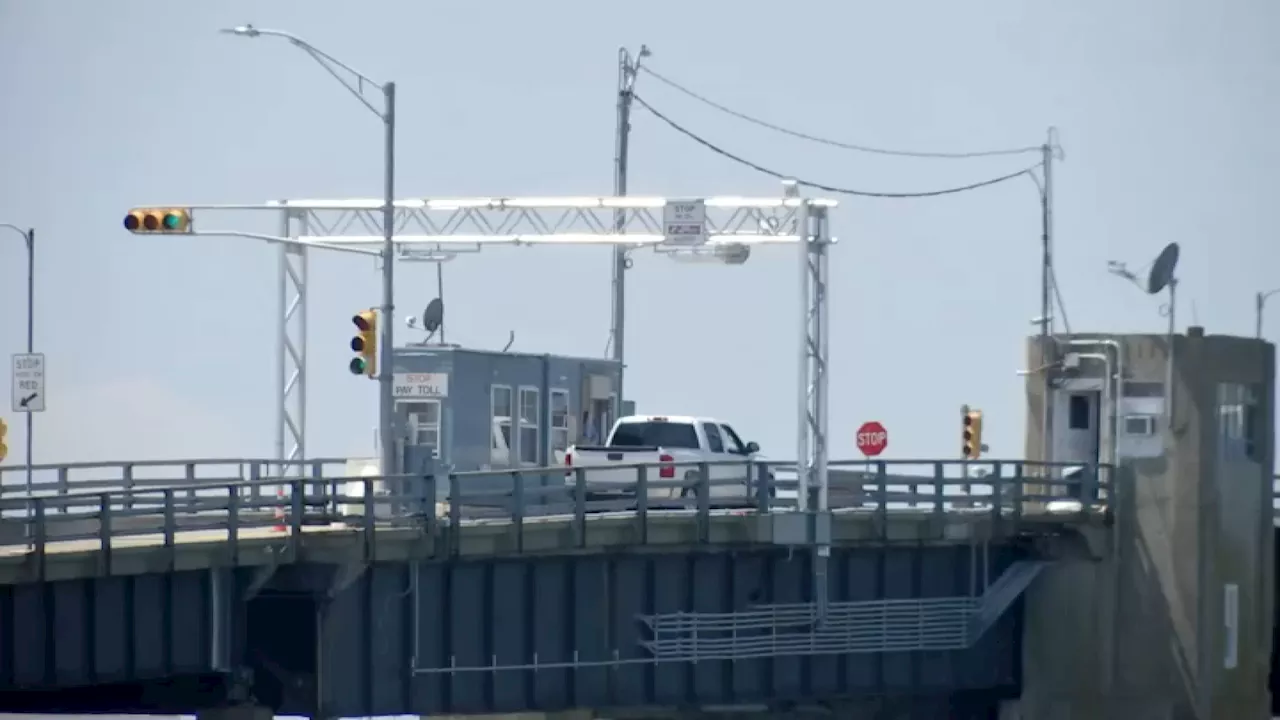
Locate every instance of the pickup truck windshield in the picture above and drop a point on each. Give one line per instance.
(655, 434)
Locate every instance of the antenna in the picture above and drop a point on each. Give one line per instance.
(433, 316)
(1161, 277)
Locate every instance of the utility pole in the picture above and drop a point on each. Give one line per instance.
(627, 70)
(1046, 293)
(388, 462)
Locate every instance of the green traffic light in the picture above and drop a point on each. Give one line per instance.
(358, 366)
(172, 221)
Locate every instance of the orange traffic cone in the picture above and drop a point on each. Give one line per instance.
(280, 525)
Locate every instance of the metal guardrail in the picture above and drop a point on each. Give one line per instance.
(443, 506)
(71, 478)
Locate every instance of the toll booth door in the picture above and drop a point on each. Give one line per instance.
(422, 420)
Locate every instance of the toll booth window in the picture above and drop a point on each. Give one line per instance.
(1078, 412)
(559, 435)
(655, 434)
(530, 428)
(424, 423)
(500, 401)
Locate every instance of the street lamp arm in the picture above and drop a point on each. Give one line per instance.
(356, 82)
(16, 229)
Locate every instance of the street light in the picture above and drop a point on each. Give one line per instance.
(29, 236)
(1259, 300)
(388, 116)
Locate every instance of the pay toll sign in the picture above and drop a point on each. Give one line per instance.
(27, 390)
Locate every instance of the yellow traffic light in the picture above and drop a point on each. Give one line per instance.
(972, 434)
(4, 449)
(365, 343)
(163, 221)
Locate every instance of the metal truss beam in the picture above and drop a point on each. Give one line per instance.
(437, 229)
(291, 349)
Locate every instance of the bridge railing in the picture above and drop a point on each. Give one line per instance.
(73, 478)
(235, 509)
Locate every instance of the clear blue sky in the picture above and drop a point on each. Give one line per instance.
(162, 347)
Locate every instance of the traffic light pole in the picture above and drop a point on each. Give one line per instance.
(386, 400)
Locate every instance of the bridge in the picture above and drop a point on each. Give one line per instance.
(185, 587)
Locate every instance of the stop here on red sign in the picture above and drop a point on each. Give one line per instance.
(872, 438)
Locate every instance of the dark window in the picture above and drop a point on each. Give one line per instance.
(1142, 389)
(733, 443)
(655, 434)
(1251, 432)
(714, 443)
(1078, 412)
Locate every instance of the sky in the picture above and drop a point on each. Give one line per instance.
(162, 347)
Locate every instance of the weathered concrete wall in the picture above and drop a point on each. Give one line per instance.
(1144, 632)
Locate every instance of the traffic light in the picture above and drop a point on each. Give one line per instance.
(972, 434)
(163, 221)
(4, 449)
(365, 343)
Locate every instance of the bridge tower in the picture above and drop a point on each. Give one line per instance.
(1171, 614)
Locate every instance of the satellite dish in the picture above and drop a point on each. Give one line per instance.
(1162, 269)
(433, 316)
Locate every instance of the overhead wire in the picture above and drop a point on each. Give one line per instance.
(827, 141)
(816, 185)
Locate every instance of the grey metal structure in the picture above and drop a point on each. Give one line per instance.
(29, 238)
(355, 84)
(241, 506)
(291, 349)
(1180, 610)
(446, 226)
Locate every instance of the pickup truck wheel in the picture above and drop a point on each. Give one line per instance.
(690, 488)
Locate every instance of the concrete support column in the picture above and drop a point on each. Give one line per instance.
(236, 712)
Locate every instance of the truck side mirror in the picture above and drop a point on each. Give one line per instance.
(752, 448)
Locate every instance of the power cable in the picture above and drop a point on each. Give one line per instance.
(826, 141)
(819, 186)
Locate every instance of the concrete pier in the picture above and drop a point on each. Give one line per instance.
(1174, 620)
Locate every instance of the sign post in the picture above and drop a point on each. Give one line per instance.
(871, 440)
(28, 383)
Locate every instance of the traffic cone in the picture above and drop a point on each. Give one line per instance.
(280, 525)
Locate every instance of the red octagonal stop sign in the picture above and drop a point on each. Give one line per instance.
(872, 438)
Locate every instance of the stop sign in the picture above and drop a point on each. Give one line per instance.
(872, 438)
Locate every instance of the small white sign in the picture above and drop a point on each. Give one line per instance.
(684, 222)
(411, 386)
(28, 383)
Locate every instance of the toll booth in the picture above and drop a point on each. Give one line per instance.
(459, 409)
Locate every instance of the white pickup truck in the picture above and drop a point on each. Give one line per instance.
(665, 443)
